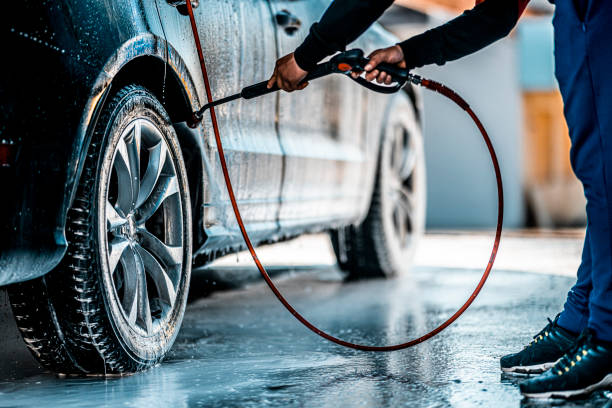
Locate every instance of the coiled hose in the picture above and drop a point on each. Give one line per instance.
(426, 83)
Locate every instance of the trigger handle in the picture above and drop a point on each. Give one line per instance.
(379, 88)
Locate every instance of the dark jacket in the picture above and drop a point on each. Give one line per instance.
(345, 20)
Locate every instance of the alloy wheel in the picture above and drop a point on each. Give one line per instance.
(401, 185)
(144, 230)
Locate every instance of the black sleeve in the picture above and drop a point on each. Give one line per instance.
(474, 29)
(342, 23)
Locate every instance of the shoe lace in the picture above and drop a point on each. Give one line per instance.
(545, 332)
(577, 352)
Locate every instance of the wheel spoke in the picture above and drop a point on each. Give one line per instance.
(124, 178)
(131, 266)
(132, 141)
(408, 165)
(157, 159)
(405, 202)
(115, 253)
(163, 283)
(399, 150)
(169, 255)
(400, 224)
(403, 228)
(135, 301)
(113, 218)
(166, 186)
(396, 216)
(144, 309)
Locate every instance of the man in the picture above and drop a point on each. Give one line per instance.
(573, 352)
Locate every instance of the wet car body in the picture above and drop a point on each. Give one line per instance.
(299, 162)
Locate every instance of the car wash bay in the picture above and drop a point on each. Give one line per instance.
(239, 347)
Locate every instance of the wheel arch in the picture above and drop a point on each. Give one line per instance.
(174, 97)
(149, 61)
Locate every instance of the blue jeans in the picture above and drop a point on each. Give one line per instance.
(583, 66)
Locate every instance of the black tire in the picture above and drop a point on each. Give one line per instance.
(39, 326)
(375, 248)
(74, 319)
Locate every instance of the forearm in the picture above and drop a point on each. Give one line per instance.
(468, 33)
(342, 23)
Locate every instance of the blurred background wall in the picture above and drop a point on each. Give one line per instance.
(511, 86)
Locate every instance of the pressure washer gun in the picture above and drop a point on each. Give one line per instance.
(343, 63)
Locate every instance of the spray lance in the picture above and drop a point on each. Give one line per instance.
(345, 63)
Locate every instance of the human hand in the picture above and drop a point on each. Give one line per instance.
(288, 75)
(390, 55)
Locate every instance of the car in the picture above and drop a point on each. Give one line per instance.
(112, 198)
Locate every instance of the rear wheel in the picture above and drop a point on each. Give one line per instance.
(384, 244)
(116, 302)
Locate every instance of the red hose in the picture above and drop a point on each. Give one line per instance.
(432, 85)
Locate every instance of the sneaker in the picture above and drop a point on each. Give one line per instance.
(586, 367)
(542, 353)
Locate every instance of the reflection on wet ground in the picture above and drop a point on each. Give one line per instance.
(240, 348)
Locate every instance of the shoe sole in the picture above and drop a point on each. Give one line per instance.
(606, 383)
(532, 369)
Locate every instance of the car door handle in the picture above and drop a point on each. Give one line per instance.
(288, 21)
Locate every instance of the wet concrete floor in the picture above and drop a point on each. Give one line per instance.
(239, 348)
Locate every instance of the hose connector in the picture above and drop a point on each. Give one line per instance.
(415, 79)
(196, 118)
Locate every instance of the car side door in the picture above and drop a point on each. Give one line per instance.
(320, 130)
(238, 41)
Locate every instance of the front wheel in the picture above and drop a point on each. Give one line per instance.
(384, 244)
(116, 302)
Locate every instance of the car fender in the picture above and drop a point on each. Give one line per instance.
(28, 259)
